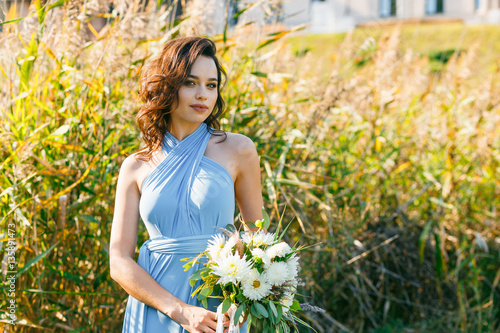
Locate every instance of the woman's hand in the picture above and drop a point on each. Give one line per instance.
(195, 319)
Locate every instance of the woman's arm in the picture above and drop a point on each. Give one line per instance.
(132, 277)
(247, 187)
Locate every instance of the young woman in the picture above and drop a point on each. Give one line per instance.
(183, 184)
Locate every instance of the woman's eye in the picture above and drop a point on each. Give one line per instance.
(189, 83)
(212, 85)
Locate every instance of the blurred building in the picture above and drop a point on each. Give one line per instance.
(342, 15)
(322, 16)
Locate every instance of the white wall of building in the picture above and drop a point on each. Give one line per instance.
(342, 15)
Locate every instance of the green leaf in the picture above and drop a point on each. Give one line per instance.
(255, 312)
(295, 306)
(278, 35)
(284, 231)
(272, 316)
(440, 265)
(57, 4)
(13, 21)
(262, 310)
(35, 260)
(27, 65)
(205, 292)
(198, 290)
(251, 225)
(273, 309)
(226, 305)
(248, 7)
(280, 312)
(196, 275)
(249, 322)
(267, 326)
(422, 240)
(230, 227)
(240, 298)
(238, 312)
(259, 74)
(286, 328)
(267, 219)
(187, 266)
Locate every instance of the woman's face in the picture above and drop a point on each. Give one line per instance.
(197, 96)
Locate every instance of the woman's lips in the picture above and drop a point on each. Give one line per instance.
(199, 108)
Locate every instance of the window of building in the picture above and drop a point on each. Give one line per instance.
(387, 8)
(434, 7)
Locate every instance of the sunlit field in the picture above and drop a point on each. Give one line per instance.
(380, 147)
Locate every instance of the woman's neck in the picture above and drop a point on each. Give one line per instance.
(180, 132)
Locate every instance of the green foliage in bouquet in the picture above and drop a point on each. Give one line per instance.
(253, 273)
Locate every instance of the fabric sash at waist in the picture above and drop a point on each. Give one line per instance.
(191, 245)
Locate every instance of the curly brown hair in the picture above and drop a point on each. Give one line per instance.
(161, 80)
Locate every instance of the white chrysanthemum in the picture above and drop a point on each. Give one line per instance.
(278, 250)
(286, 301)
(231, 268)
(262, 255)
(255, 285)
(215, 246)
(277, 273)
(293, 266)
(260, 238)
(228, 247)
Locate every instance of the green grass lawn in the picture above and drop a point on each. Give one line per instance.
(438, 41)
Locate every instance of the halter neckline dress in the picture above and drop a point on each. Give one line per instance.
(184, 202)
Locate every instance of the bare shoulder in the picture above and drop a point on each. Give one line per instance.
(241, 145)
(129, 170)
(132, 164)
(135, 169)
(237, 153)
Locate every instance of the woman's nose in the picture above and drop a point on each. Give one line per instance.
(201, 94)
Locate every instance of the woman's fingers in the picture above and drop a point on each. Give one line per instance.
(211, 320)
(209, 330)
(196, 319)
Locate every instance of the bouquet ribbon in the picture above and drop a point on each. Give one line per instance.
(233, 328)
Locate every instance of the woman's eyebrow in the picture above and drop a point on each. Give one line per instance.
(197, 78)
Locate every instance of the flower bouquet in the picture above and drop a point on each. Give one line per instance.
(255, 276)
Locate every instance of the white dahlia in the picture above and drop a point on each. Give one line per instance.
(215, 246)
(277, 273)
(260, 238)
(262, 255)
(255, 285)
(278, 250)
(293, 266)
(231, 268)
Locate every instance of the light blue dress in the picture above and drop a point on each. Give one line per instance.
(183, 202)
